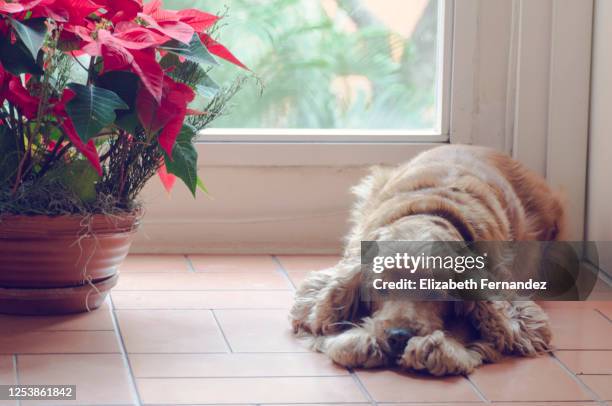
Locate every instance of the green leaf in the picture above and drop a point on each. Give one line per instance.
(16, 58)
(201, 185)
(92, 109)
(32, 33)
(78, 176)
(81, 177)
(184, 162)
(195, 51)
(125, 85)
(207, 87)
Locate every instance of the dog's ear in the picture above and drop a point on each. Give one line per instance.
(345, 290)
(329, 301)
(339, 304)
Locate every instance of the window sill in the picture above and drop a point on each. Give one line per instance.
(325, 152)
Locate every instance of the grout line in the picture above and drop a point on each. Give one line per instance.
(86, 404)
(478, 391)
(203, 271)
(280, 268)
(603, 315)
(64, 353)
(16, 370)
(76, 331)
(222, 332)
(362, 387)
(428, 403)
(189, 263)
(584, 387)
(160, 353)
(267, 403)
(124, 355)
(246, 377)
(198, 290)
(195, 309)
(200, 308)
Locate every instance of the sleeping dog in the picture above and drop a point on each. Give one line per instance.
(449, 193)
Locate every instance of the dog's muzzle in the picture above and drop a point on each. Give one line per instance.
(397, 338)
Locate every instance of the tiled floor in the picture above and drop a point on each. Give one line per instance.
(214, 330)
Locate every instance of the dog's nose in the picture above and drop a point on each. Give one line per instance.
(397, 338)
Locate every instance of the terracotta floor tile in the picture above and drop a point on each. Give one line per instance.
(304, 263)
(7, 376)
(600, 384)
(7, 371)
(528, 380)
(601, 291)
(170, 331)
(99, 319)
(579, 329)
(202, 281)
(233, 263)
(155, 263)
(245, 299)
(233, 365)
(436, 404)
(51, 342)
(605, 308)
(591, 403)
(250, 390)
(587, 362)
(568, 305)
(324, 404)
(394, 386)
(100, 379)
(258, 331)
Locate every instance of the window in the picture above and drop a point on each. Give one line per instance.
(339, 65)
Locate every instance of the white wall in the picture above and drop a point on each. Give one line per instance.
(599, 194)
(251, 209)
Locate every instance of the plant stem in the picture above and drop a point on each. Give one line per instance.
(51, 157)
(25, 156)
(91, 70)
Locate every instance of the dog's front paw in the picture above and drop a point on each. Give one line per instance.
(439, 355)
(354, 348)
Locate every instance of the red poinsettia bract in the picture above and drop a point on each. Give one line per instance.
(120, 35)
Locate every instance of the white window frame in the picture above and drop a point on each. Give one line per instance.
(519, 82)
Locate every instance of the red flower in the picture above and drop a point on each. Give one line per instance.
(10, 8)
(221, 51)
(166, 22)
(121, 10)
(198, 20)
(5, 77)
(21, 98)
(128, 47)
(66, 11)
(123, 35)
(167, 116)
(167, 179)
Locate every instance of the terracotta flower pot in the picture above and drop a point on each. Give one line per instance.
(64, 264)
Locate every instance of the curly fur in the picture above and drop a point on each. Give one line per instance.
(449, 193)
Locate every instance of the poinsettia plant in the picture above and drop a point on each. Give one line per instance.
(95, 98)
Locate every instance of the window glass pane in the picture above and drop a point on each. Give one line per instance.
(331, 64)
